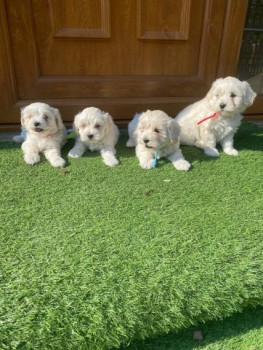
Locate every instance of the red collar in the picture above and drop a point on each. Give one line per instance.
(211, 116)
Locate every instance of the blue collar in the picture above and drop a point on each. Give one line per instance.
(155, 159)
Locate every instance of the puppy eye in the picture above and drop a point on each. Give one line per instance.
(97, 126)
(45, 117)
(156, 130)
(233, 95)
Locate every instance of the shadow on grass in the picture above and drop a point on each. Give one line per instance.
(213, 331)
(7, 145)
(248, 137)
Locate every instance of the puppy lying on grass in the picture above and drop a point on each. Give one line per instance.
(42, 132)
(155, 135)
(96, 131)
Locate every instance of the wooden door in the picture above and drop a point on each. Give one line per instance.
(123, 56)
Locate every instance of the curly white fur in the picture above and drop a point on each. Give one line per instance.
(154, 131)
(42, 131)
(96, 131)
(228, 97)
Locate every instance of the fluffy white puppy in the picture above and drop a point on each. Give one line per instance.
(42, 131)
(216, 118)
(96, 131)
(156, 135)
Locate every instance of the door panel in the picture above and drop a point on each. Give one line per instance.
(123, 52)
(74, 20)
(169, 22)
(123, 56)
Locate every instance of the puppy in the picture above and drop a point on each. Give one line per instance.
(42, 131)
(96, 131)
(216, 118)
(155, 136)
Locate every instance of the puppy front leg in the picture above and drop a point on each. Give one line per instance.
(145, 157)
(227, 145)
(54, 157)
(31, 153)
(178, 160)
(78, 150)
(207, 141)
(108, 156)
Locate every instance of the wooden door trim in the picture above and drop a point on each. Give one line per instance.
(8, 96)
(229, 52)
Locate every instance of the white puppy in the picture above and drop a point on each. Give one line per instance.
(156, 135)
(96, 131)
(216, 118)
(42, 131)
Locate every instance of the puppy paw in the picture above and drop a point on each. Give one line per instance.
(130, 143)
(148, 164)
(182, 164)
(73, 153)
(111, 162)
(231, 152)
(212, 152)
(31, 158)
(58, 162)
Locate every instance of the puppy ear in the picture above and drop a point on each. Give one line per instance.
(174, 131)
(137, 115)
(215, 84)
(23, 117)
(75, 124)
(249, 94)
(108, 122)
(58, 119)
(135, 122)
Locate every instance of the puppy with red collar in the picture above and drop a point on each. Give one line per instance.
(216, 118)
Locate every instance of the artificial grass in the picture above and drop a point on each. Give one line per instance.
(94, 257)
(241, 331)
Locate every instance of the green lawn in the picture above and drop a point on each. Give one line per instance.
(238, 332)
(96, 257)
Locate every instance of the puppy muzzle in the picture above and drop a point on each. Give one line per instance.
(38, 129)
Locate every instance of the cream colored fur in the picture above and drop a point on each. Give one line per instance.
(154, 131)
(96, 131)
(228, 97)
(42, 132)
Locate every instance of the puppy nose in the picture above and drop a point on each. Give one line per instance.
(146, 141)
(90, 136)
(222, 105)
(36, 124)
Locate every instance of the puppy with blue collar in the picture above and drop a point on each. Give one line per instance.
(155, 135)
